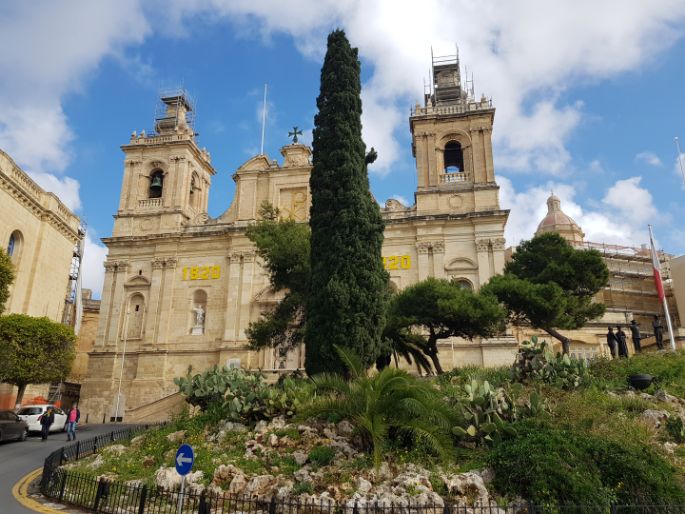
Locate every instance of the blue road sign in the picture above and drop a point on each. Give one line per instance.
(184, 459)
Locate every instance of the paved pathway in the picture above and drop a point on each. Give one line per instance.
(19, 458)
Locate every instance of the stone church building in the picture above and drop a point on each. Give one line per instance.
(181, 287)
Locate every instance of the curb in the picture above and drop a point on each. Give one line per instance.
(20, 493)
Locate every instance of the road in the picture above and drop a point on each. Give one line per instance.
(19, 458)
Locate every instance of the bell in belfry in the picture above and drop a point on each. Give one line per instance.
(156, 187)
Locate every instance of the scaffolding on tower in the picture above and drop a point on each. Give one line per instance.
(73, 308)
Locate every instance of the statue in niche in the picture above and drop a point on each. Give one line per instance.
(199, 327)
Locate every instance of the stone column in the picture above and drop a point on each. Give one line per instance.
(167, 289)
(483, 250)
(422, 250)
(116, 318)
(487, 150)
(498, 254)
(439, 259)
(232, 296)
(106, 305)
(246, 293)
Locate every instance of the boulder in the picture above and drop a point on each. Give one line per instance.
(260, 485)
(278, 423)
(137, 441)
(345, 428)
(224, 473)
(261, 427)
(469, 484)
(273, 440)
(363, 485)
(114, 449)
(302, 475)
(300, 457)
(176, 437)
(663, 396)
(238, 484)
(169, 479)
(654, 417)
(233, 426)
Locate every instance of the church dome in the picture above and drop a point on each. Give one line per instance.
(558, 221)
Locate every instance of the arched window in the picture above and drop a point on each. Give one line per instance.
(156, 184)
(14, 245)
(454, 157)
(463, 283)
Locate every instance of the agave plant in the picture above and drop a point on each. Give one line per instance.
(390, 400)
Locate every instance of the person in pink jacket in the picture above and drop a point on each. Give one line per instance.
(73, 417)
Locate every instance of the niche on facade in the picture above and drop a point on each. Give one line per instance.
(454, 157)
(198, 310)
(194, 194)
(136, 316)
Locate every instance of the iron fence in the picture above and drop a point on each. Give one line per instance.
(103, 496)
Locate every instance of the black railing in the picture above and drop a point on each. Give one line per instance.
(103, 496)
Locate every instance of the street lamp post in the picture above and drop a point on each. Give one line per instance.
(123, 358)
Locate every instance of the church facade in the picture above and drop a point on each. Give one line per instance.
(181, 287)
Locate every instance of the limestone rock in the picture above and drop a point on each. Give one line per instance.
(260, 485)
(300, 457)
(654, 417)
(232, 426)
(148, 461)
(468, 484)
(238, 484)
(176, 437)
(261, 427)
(168, 478)
(345, 428)
(137, 441)
(97, 462)
(273, 440)
(363, 485)
(302, 475)
(114, 449)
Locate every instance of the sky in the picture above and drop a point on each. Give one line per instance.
(588, 96)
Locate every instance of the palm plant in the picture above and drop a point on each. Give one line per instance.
(401, 343)
(388, 402)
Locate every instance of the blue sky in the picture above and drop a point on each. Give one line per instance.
(588, 96)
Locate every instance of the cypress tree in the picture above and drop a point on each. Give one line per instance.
(349, 287)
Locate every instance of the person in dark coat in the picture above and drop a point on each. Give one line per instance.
(658, 332)
(46, 421)
(635, 334)
(612, 342)
(622, 343)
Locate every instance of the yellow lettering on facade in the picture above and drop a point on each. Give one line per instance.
(396, 262)
(201, 272)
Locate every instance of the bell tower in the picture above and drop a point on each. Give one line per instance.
(451, 141)
(166, 175)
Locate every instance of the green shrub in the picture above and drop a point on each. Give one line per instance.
(535, 362)
(496, 377)
(383, 403)
(240, 395)
(321, 455)
(556, 467)
(667, 367)
(303, 488)
(676, 429)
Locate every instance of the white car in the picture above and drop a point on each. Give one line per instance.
(31, 413)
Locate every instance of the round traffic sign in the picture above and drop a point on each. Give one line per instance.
(184, 459)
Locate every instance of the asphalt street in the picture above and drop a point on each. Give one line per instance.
(19, 458)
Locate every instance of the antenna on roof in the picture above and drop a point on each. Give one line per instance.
(261, 150)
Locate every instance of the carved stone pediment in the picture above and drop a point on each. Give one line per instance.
(257, 163)
(137, 281)
(461, 264)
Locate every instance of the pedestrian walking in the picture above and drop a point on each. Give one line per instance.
(73, 417)
(635, 334)
(622, 342)
(46, 421)
(612, 342)
(658, 332)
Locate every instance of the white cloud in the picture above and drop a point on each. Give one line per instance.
(649, 158)
(93, 272)
(50, 49)
(620, 218)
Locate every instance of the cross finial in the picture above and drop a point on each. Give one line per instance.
(294, 133)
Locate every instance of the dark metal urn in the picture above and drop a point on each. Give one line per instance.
(640, 381)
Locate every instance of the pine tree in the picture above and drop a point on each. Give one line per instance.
(348, 288)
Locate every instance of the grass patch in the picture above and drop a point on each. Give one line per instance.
(668, 367)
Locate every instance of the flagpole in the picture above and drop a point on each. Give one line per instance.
(660, 288)
(680, 160)
(261, 150)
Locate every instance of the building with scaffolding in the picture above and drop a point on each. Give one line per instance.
(630, 295)
(45, 242)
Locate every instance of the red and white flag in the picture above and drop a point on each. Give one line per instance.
(656, 268)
